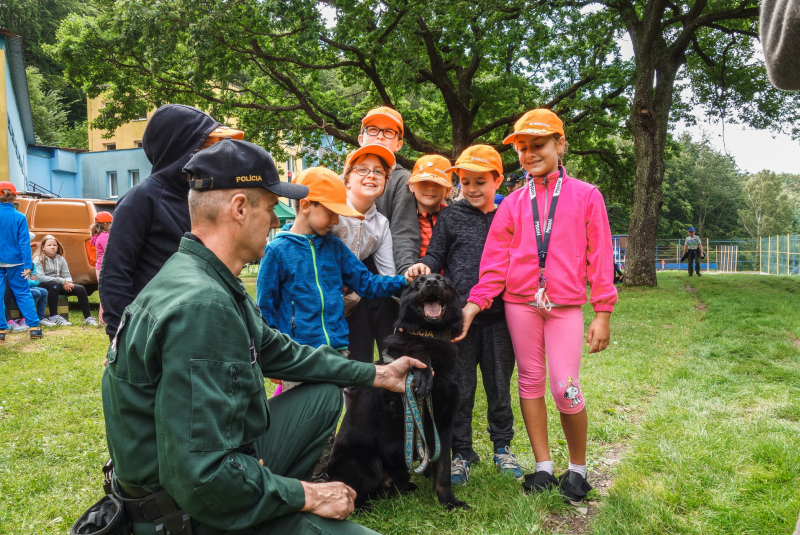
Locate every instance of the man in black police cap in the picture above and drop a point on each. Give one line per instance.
(189, 425)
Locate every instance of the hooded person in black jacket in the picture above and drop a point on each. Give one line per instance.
(456, 246)
(152, 217)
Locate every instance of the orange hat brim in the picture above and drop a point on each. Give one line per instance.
(430, 177)
(376, 149)
(382, 120)
(543, 132)
(474, 167)
(342, 209)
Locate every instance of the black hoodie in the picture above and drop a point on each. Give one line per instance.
(456, 246)
(152, 217)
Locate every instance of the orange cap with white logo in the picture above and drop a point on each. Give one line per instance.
(326, 188)
(479, 158)
(373, 148)
(538, 122)
(220, 133)
(433, 168)
(383, 116)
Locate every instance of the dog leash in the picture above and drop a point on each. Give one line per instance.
(415, 433)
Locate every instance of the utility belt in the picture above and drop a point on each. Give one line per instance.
(123, 505)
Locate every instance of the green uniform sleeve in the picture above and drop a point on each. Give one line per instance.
(208, 397)
(283, 358)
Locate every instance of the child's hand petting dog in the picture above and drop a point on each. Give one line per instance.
(417, 270)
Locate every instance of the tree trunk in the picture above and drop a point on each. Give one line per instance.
(649, 135)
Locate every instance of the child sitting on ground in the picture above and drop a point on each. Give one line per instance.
(39, 296)
(52, 268)
(456, 246)
(431, 185)
(15, 260)
(100, 230)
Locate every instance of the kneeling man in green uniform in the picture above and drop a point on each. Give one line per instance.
(197, 446)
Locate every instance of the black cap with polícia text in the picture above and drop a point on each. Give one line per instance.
(232, 164)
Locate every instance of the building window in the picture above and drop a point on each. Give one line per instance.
(134, 177)
(113, 189)
(110, 146)
(106, 103)
(139, 144)
(142, 117)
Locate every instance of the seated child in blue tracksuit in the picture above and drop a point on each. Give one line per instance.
(300, 280)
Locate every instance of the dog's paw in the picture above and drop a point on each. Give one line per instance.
(408, 488)
(458, 504)
(422, 384)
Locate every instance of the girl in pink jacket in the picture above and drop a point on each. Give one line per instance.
(540, 259)
(100, 230)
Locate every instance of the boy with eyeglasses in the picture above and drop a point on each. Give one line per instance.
(375, 317)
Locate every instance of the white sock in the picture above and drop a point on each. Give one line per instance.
(580, 468)
(547, 466)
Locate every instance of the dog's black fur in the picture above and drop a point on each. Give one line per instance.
(368, 454)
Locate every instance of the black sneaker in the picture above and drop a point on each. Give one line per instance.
(539, 481)
(36, 333)
(574, 486)
(2, 336)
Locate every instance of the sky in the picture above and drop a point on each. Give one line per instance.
(752, 150)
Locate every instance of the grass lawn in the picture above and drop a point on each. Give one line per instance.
(694, 425)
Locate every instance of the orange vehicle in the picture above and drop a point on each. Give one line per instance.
(69, 221)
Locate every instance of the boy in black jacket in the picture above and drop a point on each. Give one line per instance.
(456, 246)
(151, 218)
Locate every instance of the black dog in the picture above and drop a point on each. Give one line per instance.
(368, 454)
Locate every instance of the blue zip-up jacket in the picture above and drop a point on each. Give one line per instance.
(299, 288)
(15, 239)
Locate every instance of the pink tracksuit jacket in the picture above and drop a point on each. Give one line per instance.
(580, 248)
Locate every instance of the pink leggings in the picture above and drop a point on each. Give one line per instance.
(559, 333)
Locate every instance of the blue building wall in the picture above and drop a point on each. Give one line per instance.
(16, 137)
(95, 168)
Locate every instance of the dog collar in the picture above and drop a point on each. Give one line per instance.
(427, 333)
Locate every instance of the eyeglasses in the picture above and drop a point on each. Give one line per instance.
(379, 174)
(373, 131)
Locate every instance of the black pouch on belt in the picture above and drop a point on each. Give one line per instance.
(107, 516)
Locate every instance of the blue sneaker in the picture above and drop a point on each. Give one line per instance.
(459, 470)
(507, 463)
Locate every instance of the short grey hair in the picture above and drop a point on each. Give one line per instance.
(204, 206)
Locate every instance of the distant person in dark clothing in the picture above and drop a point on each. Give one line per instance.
(513, 182)
(619, 276)
(693, 250)
(151, 218)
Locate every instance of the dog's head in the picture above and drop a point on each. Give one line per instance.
(430, 302)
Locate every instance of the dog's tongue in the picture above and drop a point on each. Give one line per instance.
(433, 310)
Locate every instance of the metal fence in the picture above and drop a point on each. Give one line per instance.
(771, 255)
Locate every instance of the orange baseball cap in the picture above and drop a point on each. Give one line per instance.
(220, 133)
(383, 116)
(373, 148)
(326, 188)
(479, 158)
(538, 122)
(103, 217)
(8, 186)
(433, 168)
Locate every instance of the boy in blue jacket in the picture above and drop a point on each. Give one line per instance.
(300, 280)
(15, 261)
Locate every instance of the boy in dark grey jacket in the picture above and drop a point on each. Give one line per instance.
(456, 246)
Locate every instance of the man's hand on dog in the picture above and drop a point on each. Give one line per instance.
(392, 376)
(417, 270)
(329, 500)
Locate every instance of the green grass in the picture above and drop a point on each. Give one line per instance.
(703, 404)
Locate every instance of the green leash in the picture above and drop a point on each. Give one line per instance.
(415, 433)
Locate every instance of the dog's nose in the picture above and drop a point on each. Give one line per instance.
(431, 282)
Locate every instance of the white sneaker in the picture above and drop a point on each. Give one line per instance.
(45, 322)
(58, 320)
(90, 321)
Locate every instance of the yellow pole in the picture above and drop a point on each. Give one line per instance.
(769, 256)
(760, 268)
(678, 254)
(4, 163)
(708, 256)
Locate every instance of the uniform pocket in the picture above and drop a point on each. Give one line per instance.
(229, 490)
(220, 390)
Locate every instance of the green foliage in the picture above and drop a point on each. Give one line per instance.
(702, 188)
(458, 76)
(49, 116)
(768, 209)
(36, 21)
